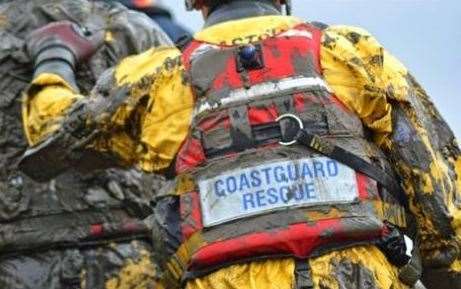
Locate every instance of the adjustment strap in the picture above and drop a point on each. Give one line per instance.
(339, 154)
(319, 25)
(219, 142)
(240, 131)
(303, 275)
(183, 42)
(285, 104)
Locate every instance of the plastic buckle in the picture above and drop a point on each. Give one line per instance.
(295, 118)
(409, 245)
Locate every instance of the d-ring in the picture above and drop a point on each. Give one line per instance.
(300, 125)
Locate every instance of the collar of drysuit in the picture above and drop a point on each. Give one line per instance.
(236, 10)
(246, 30)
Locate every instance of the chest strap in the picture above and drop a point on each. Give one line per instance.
(220, 142)
(289, 130)
(327, 148)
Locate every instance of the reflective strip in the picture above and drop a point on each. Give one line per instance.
(263, 90)
(203, 49)
(296, 33)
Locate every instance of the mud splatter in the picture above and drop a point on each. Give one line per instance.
(135, 274)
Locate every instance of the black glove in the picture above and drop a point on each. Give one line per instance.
(393, 245)
(58, 47)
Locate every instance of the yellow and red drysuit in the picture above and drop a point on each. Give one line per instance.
(152, 130)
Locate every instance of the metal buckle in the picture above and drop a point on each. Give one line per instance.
(300, 125)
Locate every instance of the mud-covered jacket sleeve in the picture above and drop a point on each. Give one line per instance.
(150, 124)
(126, 33)
(405, 123)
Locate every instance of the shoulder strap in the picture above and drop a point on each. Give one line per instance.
(328, 149)
(319, 25)
(183, 42)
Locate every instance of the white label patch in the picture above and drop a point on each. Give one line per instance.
(273, 186)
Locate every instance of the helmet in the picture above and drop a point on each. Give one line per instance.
(139, 4)
(197, 4)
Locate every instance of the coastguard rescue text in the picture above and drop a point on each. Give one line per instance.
(254, 190)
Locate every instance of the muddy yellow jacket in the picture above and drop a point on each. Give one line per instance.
(149, 128)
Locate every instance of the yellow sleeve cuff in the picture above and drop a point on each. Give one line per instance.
(44, 105)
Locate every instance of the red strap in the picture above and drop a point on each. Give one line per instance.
(96, 230)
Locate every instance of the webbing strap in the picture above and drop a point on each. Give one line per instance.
(240, 131)
(214, 143)
(303, 275)
(341, 155)
(271, 131)
(285, 104)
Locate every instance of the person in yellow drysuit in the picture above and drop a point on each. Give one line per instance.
(158, 12)
(81, 229)
(287, 141)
